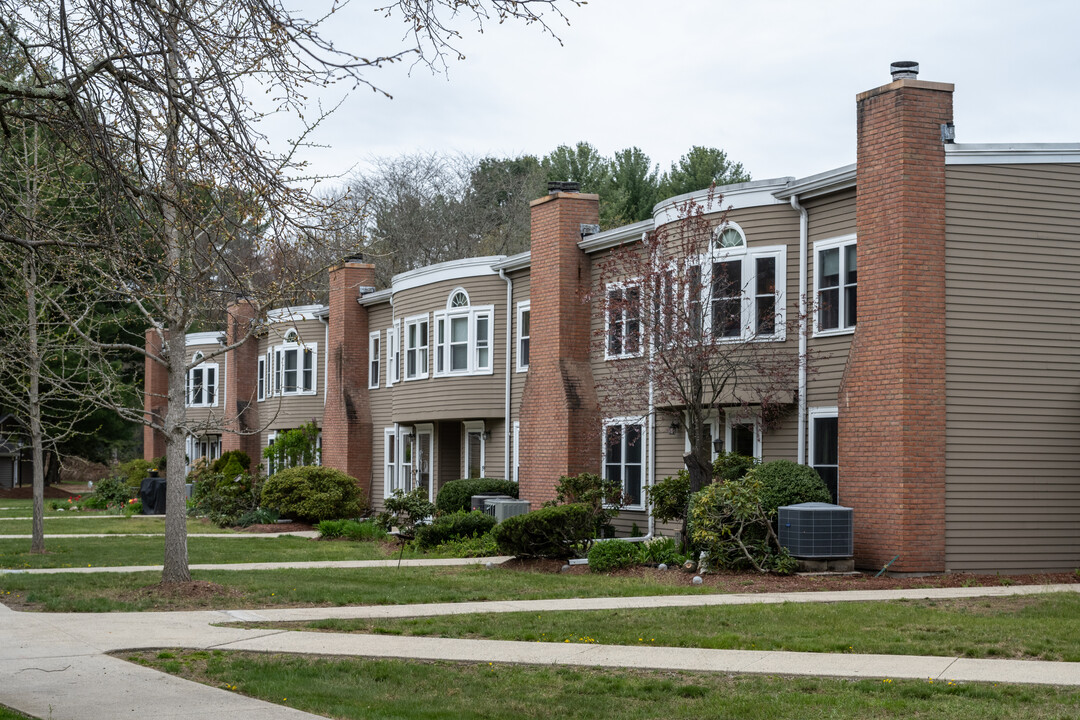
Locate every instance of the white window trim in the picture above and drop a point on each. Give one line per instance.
(469, 427)
(424, 340)
(523, 307)
(390, 463)
(262, 378)
(832, 243)
(516, 470)
(374, 358)
(393, 354)
(713, 423)
(472, 313)
(813, 414)
(277, 353)
(743, 417)
(189, 388)
(749, 256)
(645, 459)
(608, 355)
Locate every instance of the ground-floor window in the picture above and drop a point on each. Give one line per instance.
(474, 450)
(825, 447)
(742, 432)
(517, 451)
(624, 457)
(205, 447)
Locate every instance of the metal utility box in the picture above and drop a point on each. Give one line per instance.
(479, 501)
(500, 509)
(816, 530)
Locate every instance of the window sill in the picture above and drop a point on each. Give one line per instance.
(833, 333)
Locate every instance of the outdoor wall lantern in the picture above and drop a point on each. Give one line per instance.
(673, 428)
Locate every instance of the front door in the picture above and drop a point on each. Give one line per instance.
(422, 463)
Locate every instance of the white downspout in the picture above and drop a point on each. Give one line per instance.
(803, 223)
(509, 347)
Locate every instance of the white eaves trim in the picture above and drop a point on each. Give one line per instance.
(840, 178)
(294, 313)
(617, 236)
(451, 270)
(756, 193)
(521, 261)
(213, 337)
(1011, 153)
(376, 297)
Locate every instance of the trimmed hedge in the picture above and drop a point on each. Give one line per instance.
(453, 527)
(550, 532)
(784, 482)
(456, 495)
(313, 493)
(612, 555)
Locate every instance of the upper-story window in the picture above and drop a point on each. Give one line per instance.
(416, 347)
(393, 353)
(294, 365)
(373, 359)
(835, 285)
(523, 336)
(623, 321)
(463, 336)
(202, 383)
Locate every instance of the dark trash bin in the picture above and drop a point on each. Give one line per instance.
(152, 494)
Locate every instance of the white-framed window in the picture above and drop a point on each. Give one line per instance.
(390, 478)
(205, 447)
(416, 347)
(274, 464)
(373, 358)
(474, 449)
(624, 458)
(836, 272)
(463, 337)
(393, 353)
(270, 464)
(742, 433)
(294, 365)
(517, 451)
(623, 321)
(263, 378)
(523, 317)
(202, 383)
(825, 447)
(714, 433)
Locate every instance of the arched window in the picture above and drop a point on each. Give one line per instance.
(292, 366)
(728, 236)
(463, 336)
(458, 299)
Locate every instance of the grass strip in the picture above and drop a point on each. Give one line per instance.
(7, 713)
(1044, 627)
(132, 592)
(106, 524)
(357, 688)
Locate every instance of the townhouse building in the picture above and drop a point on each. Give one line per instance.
(935, 288)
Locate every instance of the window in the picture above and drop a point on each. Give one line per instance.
(206, 448)
(294, 366)
(373, 359)
(836, 285)
(825, 447)
(624, 458)
(202, 383)
(389, 461)
(416, 347)
(517, 451)
(742, 434)
(623, 321)
(713, 431)
(474, 450)
(262, 378)
(463, 335)
(523, 336)
(393, 354)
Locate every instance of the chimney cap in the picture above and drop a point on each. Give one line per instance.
(558, 186)
(902, 69)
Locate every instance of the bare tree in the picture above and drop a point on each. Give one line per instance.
(691, 316)
(156, 93)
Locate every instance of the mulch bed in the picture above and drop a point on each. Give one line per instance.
(26, 492)
(755, 583)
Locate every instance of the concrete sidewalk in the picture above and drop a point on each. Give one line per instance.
(54, 665)
(55, 535)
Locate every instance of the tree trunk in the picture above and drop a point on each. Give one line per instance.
(700, 476)
(37, 530)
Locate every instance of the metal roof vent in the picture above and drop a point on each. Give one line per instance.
(816, 530)
(566, 186)
(902, 69)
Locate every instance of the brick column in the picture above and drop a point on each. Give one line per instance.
(892, 398)
(346, 428)
(560, 427)
(155, 396)
(241, 421)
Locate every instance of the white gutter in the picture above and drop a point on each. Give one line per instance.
(509, 346)
(803, 231)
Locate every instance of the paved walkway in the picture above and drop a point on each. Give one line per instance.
(294, 533)
(54, 665)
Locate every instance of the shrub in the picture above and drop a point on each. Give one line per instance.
(406, 510)
(312, 493)
(133, 472)
(453, 527)
(110, 491)
(456, 495)
(550, 532)
(660, 550)
(482, 546)
(351, 529)
(225, 499)
(612, 555)
(731, 466)
(670, 496)
(294, 448)
(603, 497)
(258, 516)
(232, 463)
(786, 483)
(728, 522)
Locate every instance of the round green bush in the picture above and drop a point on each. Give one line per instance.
(453, 527)
(225, 499)
(456, 495)
(784, 482)
(611, 555)
(731, 466)
(312, 493)
(232, 463)
(550, 532)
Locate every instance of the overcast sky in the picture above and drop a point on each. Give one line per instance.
(772, 83)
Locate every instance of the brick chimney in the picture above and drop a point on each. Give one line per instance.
(892, 397)
(347, 428)
(560, 427)
(241, 376)
(155, 396)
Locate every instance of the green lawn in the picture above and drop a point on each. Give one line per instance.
(8, 714)
(104, 524)
(1043, 627)
(356, 688)
(110, 592)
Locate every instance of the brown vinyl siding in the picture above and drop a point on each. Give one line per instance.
(292, 411)
(208, 420)
(381, 403)
(517, 379)
(1012, 371)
